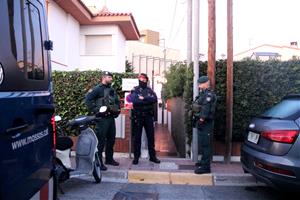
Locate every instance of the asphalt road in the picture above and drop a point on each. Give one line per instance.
(78, 189)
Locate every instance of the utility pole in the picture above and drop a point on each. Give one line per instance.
(196, 73)
(211, 70)
(189, 31)
(163, 102)
(229, 93)
(165, 67)
(189, 52)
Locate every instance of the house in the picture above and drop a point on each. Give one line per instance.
(268, 51)
(150, 55)
(84, 40)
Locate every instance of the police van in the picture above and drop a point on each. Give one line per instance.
(26, 104)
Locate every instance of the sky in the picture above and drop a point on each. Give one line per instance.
(255, 22)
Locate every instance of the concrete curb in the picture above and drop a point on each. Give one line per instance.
(115, 176)
(176, 178)
(235, 180)
(179, 178)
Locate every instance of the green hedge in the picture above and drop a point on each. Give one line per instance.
(71, 87)
(257, 86)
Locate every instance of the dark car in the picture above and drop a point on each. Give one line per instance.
(26, 103)
(271, 151)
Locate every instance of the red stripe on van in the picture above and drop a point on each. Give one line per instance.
(44, 193)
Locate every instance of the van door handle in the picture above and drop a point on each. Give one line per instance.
(16, 128)
(45, 108)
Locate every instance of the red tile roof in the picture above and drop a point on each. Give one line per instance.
(106, 12)
(83, 15)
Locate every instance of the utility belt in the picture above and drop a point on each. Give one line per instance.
(142, 113)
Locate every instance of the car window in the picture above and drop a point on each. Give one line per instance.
(283, 109)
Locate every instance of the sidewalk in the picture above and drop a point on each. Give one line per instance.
(176, 171)
(173, 170)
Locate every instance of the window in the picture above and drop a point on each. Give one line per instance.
(98, 45)
(23, 58)
(34, 45)
(284, 109)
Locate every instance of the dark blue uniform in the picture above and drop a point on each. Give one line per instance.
(143, 114)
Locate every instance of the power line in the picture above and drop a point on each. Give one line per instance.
(173, 19)
(179, 28)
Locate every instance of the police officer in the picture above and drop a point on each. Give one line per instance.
(104, 95)
(204, 118)
(143, 99)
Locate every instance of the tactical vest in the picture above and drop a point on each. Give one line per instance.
(109, 100)
(197, 104)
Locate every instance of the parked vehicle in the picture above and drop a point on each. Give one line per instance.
(87, 158)
(26, 103)
(271, 149)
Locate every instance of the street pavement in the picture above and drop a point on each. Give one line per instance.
(87, 189)
(172, 179)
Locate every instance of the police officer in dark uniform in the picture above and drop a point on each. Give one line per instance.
(204, 110)
(143, 99)
(104, 95)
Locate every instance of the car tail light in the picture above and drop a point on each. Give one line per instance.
(54, 131)
(284, 136)
(274, 169)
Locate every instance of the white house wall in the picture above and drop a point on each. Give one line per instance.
(121, 50)
(138, 48)
(113, 61)
(64, 31)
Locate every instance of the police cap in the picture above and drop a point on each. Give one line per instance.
(203, 79)
(107, 73)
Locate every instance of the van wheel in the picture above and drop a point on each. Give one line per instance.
(96, 171)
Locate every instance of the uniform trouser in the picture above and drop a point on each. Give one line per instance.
(204, 140)
(106, 134)
(138, 124)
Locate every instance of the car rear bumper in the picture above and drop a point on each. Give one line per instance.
(248, 158)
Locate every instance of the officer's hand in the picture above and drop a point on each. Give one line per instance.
(201, 120)
(141, 97)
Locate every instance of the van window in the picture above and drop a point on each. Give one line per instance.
(34, 48)
(24, 62)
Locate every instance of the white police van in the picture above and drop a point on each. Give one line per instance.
(26, 104)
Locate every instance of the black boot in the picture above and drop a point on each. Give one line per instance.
(102, 167)
(135, 161)
(111, 162)
(155, 160)
(202, 170)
